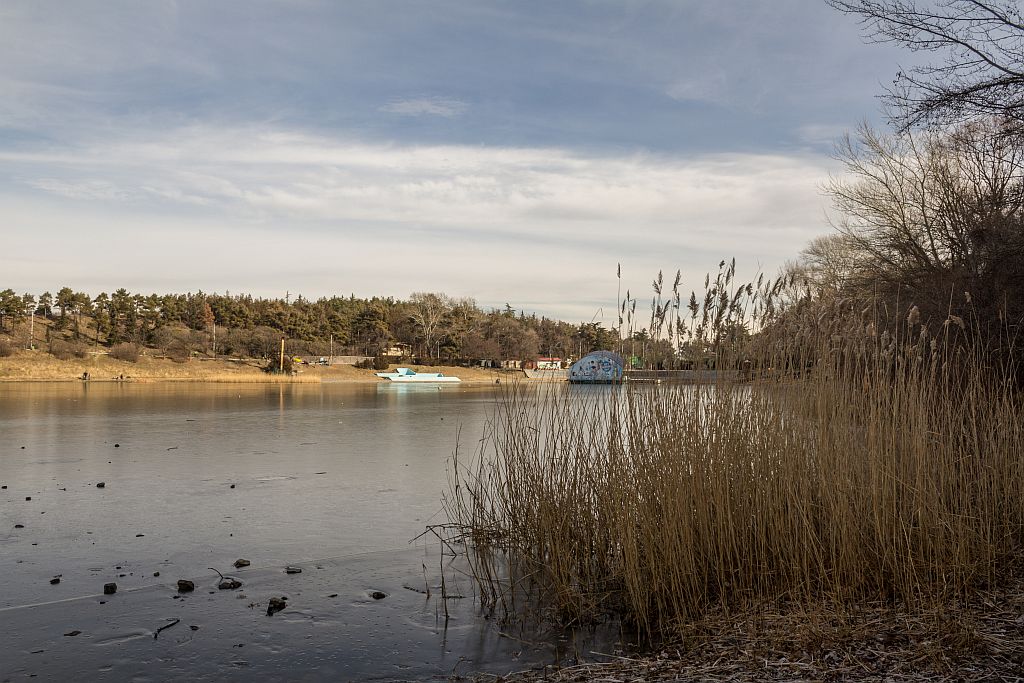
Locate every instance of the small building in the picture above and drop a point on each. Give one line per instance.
(549, 363)
(398, 350)
(512, 364)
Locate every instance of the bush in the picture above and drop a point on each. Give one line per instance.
(65, 350)
(5, 348)
(275, 365)
(378, 363)
(126, 352)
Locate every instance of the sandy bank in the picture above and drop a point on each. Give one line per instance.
(39, 366)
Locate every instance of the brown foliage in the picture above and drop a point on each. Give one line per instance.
(126, 352)
(65, 350)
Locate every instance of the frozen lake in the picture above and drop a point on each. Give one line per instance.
(334, 478)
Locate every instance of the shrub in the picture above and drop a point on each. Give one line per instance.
(5, 348)
(65, 350)
(380, 363)
(275, 365)
(853, 467)
(126, 352)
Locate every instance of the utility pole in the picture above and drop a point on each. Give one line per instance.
(280, 367)
(31, 328)
(331, 360)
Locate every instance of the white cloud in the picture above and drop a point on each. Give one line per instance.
(426, 106)
(281, 210)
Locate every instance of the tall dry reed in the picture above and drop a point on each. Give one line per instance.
(853, 466)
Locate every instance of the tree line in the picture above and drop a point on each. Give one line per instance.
(429, 325)
(929, 239)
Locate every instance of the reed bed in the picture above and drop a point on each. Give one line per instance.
(852, 468)
(979, 641)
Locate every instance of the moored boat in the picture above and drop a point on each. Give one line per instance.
(408, 375)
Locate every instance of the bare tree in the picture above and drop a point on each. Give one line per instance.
(826, 264)
(936, 219)
(982, 72)
(429, 311)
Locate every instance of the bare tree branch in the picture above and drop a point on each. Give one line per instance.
(983, 72)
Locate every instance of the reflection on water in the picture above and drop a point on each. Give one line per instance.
(198, 475)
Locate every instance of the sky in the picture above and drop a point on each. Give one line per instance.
(513, 152)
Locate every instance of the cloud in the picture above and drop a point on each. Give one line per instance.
(712, 88)
(80, 189)
(540, 224)
(426, 106)
(822, 134)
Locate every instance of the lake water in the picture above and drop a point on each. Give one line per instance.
(335, 479)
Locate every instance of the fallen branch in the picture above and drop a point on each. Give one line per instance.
(156, 634)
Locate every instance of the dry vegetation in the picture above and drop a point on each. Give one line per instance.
(979, 641)
(856, 469)
(23, 365)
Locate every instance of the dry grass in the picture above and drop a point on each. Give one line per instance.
(979, 641)
(662, 503)
(40, 366)
(24, 365)
(855, 469)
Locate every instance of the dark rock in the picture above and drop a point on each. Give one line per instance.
(229, 584)
(28, 497)
(292, 570)
(333, 595)
(72, 633)
(19, 526)
(239, 563)
(54, 581)
(194, 627)
(3, 487)
(117, 445)
(232, 486)
(109, 588)
(156, 573)
(378, 595)
(139, 535)
(185, 586)
(101, 485)
(121, 576)
(275, 605)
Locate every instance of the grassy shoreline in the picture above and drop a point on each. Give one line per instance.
(39, 366)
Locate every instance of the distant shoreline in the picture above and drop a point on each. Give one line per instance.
(39, 366)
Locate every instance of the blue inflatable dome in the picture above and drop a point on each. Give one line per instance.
(599, 367)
